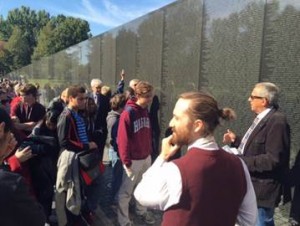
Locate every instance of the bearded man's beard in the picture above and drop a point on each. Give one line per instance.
(180, 138)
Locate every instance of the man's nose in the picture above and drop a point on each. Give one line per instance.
(171, 123)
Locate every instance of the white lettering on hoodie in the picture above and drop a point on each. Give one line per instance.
(141, 123)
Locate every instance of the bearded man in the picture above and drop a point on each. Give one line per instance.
(207, 186)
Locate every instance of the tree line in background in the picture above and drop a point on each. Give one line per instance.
(27, 35)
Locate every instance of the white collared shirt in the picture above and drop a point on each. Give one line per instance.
(263, 114)
(161, 186)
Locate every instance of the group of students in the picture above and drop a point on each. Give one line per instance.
(63, 146)
(72, 131)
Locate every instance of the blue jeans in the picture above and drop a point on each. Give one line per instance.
(265, 217)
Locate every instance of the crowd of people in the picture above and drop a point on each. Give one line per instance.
(59, 152)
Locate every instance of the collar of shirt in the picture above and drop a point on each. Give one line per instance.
(261, 115)
(207, 143)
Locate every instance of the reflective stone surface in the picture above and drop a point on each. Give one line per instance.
(281, 58)
(230, 54)
(181, 52)
(223, 47)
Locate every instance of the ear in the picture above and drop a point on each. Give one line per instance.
(265, 102)
(198, 125)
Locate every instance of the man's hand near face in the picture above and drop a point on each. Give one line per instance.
(168, 149)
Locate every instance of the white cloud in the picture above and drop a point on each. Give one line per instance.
(92, 14)
(125, 13)
(109, 14)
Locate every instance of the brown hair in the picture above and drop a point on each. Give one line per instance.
(118, 101)
(204, 107)
(29, 89)
(74, 90)
(142, 88)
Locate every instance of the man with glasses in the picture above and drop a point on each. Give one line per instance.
(265, 148)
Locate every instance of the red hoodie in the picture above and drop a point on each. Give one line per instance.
(134, 133)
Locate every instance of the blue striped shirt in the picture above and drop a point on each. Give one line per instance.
(81, 129)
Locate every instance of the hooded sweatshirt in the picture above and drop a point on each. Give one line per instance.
(111, 119)
(134, 133)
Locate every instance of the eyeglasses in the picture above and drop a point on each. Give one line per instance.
(256, 97)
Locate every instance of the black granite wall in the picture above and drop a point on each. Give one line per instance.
(223, 47)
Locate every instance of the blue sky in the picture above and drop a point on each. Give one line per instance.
(102, 15)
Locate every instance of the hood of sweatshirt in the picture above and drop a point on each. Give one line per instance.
(132, 103)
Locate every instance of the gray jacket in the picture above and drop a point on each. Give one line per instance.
(67, 182)
(110, 120)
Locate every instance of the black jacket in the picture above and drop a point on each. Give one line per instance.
(100, 121)
(266, 155)
(18, 208)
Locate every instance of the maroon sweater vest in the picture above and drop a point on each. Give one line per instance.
(213, 188)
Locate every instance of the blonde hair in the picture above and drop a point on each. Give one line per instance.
(106, 91)
(133, 82)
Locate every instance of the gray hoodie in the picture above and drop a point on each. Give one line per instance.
(110, 120)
